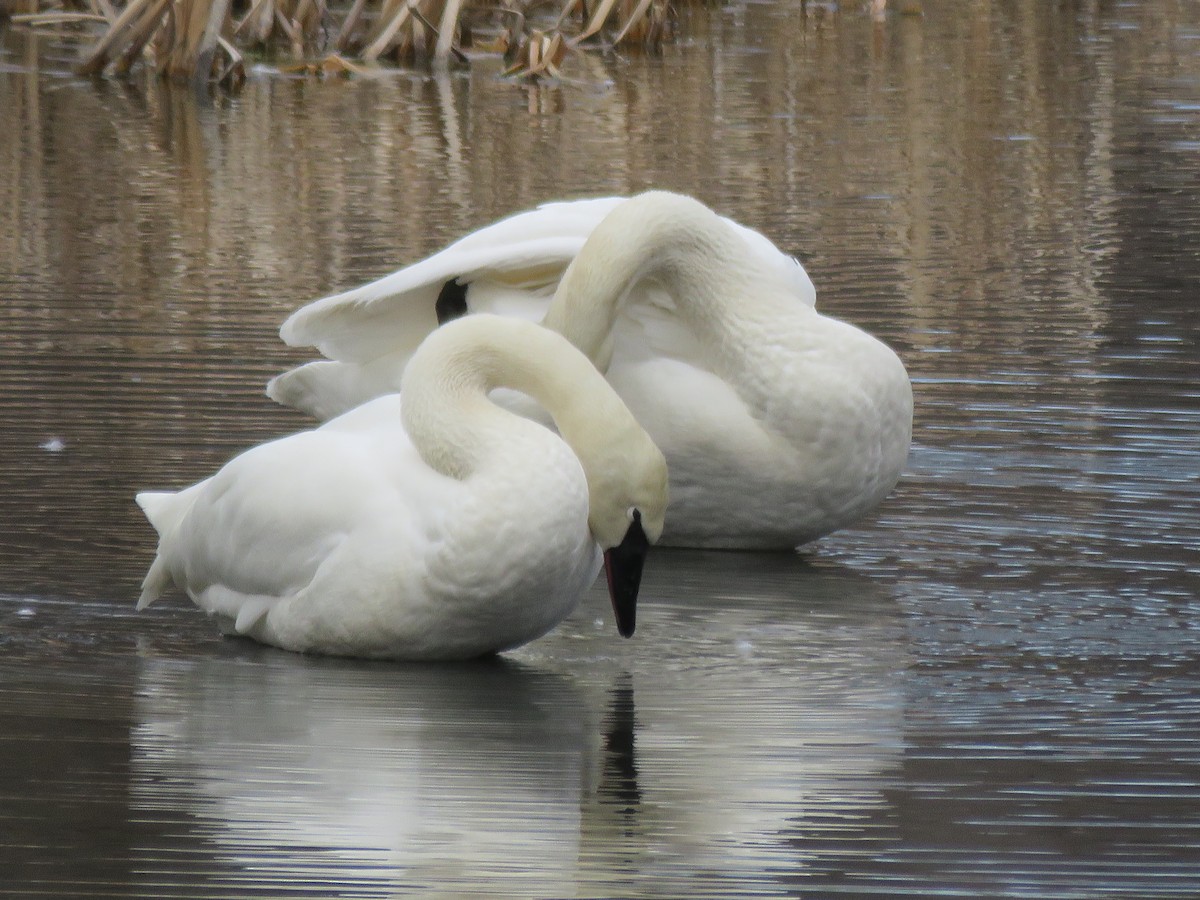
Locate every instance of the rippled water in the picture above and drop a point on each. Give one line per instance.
(990, 688)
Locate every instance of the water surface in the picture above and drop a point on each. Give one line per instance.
(991, 687)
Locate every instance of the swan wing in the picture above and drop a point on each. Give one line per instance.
(517, 256)
(258, 532)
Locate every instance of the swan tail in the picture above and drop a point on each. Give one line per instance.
(160, 509)
(155, 584)
(325, 389)
(300, 388)
(164, 511)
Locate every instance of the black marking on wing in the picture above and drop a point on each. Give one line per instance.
(451, 302)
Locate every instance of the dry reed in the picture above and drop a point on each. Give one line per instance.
(205, 40)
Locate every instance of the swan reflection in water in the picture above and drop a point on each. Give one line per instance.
(705, 760)
(368, 775)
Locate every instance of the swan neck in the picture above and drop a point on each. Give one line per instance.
(674, 239)
(457, 428)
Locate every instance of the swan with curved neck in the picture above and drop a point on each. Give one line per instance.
(443, 527)
(779, 424)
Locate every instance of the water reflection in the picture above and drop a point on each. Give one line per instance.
(318, 771)
(768, 722)
(572, 768)
(620, 773)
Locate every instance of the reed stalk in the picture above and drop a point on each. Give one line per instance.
(198, 40)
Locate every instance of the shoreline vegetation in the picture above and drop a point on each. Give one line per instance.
(209, 41)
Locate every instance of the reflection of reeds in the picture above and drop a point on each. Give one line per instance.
(204, 39)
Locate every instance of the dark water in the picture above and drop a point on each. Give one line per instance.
(989, 689)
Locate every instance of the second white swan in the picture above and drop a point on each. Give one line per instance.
(779, 424)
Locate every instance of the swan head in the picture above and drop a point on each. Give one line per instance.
(628, 507)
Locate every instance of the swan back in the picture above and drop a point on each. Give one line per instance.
(447, 414)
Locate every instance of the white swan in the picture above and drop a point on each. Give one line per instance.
(779, 424)
(448, 528)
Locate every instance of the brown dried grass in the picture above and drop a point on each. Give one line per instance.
(204, 40)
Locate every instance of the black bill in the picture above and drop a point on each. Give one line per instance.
(623, 566)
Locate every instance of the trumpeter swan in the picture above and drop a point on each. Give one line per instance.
(779, 424)
(441, 527)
